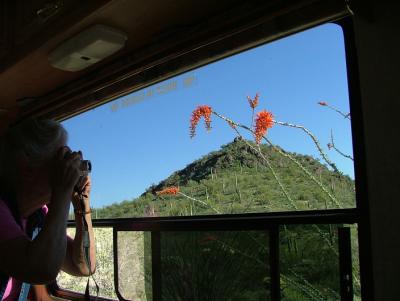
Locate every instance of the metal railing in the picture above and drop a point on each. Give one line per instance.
(269, 222)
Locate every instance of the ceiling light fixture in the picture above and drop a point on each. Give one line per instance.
(87, 48)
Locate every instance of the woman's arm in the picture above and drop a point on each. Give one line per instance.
(75, 261)
(40, 260)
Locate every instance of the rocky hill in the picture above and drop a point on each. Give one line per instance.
(237, 179)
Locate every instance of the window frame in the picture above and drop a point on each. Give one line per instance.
(252, 221)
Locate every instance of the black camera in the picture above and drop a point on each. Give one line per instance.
(86, 167)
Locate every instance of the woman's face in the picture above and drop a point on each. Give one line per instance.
(34, 189)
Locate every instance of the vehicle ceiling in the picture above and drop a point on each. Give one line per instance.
(29, 82)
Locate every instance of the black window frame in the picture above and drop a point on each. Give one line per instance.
(271, 221)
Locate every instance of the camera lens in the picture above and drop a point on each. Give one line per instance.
(86, 166)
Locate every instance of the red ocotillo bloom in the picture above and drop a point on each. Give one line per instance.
(201, 111)
(322, 103)
(264, 121)
(168, 191)
(253, 102)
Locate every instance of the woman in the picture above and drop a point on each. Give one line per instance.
(38, 173)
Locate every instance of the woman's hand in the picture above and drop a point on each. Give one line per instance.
(66, 172)
(85, 188)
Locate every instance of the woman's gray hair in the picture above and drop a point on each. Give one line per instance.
(37, 140)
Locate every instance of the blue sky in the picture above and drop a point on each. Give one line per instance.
(140, 139)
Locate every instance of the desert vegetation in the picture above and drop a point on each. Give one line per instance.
(250, 174)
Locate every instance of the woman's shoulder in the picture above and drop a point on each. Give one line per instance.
(4, 209)
(9, 228)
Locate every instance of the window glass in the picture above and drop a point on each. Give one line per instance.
(233, 264)
(104, 274)
(355, 255)
(135, 265)
(168, 149)
(222, 265)
(309, 262)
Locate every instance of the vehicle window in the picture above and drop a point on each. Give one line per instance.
(162, 151)
(266, 130)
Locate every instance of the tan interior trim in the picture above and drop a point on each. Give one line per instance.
(194, 48)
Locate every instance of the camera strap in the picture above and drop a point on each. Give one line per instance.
(86, 250)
